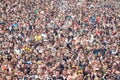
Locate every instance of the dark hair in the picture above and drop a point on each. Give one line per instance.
(38, 79)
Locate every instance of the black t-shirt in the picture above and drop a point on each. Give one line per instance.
(58, 78)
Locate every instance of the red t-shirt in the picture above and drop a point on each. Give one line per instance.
(86, 19)
(98, 32)
(98, 19)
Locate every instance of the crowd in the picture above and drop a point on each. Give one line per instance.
(59, 40)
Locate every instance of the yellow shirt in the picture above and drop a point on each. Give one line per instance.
(80, 71)
(38, 38)
(27, 49)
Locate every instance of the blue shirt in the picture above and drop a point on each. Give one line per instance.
(15, 24)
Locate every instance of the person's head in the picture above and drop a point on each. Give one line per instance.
(80, 77)
(64, 72)
(57, 73)
(87, 69)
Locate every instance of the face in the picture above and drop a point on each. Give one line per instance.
(87, 69)
(64, 72)
(80, 77)
(57, 73)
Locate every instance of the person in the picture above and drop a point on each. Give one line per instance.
(59, 40)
